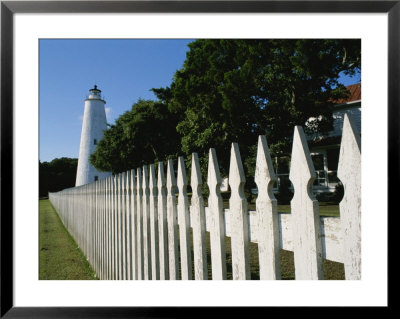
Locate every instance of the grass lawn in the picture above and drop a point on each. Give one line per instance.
(325, 209)
(59, 256)
(332, 270)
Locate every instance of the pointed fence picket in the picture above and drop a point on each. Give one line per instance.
(198, 222)
(217, 224)
(137, 225)
(146, 225)
(172, 223)
(162, 223)
(155, 269)
(184, 222)
(305, 212)
(267, 211)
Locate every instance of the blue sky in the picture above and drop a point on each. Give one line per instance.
(125, 71)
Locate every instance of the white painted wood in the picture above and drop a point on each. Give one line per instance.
(184, 222)
(113, 227)
(217, 223)
(146, 225)
(155, 268)
(100, 228)
(331, 236)
(139, 225)
(123, 227)
(162, 223)
(349, 172)
(238, 209)
(104, 259)
(134, 226)
(105, 218)
(305, 212)
(108, 231)
(267, 211)
(199, 222)
(172, 223)
(119, 229)
(128, 226)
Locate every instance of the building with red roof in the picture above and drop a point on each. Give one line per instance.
(325, 149)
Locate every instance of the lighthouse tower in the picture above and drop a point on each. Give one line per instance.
(94, 123)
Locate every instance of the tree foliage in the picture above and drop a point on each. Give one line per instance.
(234, 90)
(57, 175)
(143, 135)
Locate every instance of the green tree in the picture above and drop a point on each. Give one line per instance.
(143, 135)
(57, 175)
(234, 90)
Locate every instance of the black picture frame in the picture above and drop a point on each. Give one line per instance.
(9, 8)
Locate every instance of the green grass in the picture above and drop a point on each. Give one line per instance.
(59, 256)
(332, 270)
(325, 209)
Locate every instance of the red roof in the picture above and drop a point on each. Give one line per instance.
(355, 94)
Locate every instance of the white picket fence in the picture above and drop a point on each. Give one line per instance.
(127, 224)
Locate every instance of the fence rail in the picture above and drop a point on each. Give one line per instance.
(132, 226)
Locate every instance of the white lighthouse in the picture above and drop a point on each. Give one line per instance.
(94, 123)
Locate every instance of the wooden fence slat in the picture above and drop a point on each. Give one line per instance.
(108, 189)
(139, 224)
(305, 212)
(106, 230)
(123, 225)
(119, 214)
(238, 209)
(172, 223)
(155, 269)
(349, 172)
(217, 229)
(101, 227)
(127, 226)
(267, 211)
(184, 222)
(134, 226)
(199, 222)
(128, 223)
(162, 223)
(114, 227)
(146, 225)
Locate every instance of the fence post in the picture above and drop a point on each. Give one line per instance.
(199, 223)
(162, 223)
(239, 218)
(267, 213)
(215, 208)
(349, 172)
(155, 275)
(172, 223)
(305, 212)
(184, 222)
